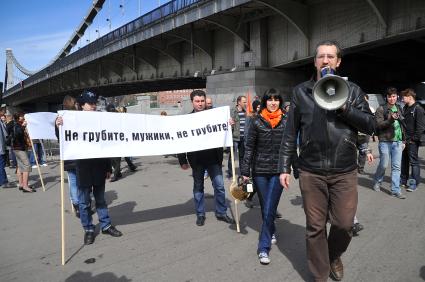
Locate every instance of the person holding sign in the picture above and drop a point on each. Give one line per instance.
(262, 155)
(200, 161)
(91, 177)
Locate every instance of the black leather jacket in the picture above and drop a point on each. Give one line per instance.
(262, 147)
(327, 138)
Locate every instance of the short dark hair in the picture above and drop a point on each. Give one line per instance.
(239, 98)
(200, 93)
(408, 92)
(269, 94)
(391, 90)
(329, 43)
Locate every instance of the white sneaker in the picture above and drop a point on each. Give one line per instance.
(274, 239)
(264, 258)
(34, 166)
(44, 164)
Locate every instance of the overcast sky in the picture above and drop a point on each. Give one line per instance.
(36, 30)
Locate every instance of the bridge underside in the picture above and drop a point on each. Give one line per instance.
(374, 68)
(215, 41)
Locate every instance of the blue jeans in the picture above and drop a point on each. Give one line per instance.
(387, 150)
(38, 148)
(101, 207)
(216, 175)
(73, 188)
(269, 191)
(3, 176)
(410, 156)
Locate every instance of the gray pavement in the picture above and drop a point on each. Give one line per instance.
(153, 208)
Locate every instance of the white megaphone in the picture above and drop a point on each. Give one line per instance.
(331, 91)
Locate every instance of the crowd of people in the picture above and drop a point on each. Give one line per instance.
(324, 150)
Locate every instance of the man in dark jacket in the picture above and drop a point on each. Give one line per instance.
(91, 176)
(391, 135)
(414, 119)
(327, 164)
(200, 161)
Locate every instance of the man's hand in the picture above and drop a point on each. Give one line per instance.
(108, 175)
(245, 178)
(284, 180)
(231, 122)
(185, 166)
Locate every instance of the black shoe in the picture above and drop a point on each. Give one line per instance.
(112, 231)
(357, 227)
(249, 204)
(113, 179)
(225, 218)
(31, 190)
(133, 168)
(76, 210)
(89, 237)
(200, 220)
(119, 175)
(278, 214)
(20, 188)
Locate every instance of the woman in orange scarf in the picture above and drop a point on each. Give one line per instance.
(261, 156)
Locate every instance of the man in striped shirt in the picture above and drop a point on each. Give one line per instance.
(238, 115)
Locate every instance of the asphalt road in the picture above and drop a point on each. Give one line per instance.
(154, 209)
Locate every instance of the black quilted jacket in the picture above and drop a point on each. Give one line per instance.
(262, 147)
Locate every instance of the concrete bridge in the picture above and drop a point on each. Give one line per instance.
(235, 46)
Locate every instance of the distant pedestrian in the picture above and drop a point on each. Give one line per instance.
(391, 135)
(238, 117)
(414, 119)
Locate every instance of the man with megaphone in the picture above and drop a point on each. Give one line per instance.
(327, 112)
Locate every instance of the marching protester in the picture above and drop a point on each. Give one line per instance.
(208, 103)
(9, 125)
(391, 135)
(4, 182)
(199, 161)
(70, 104)
(327, 164)
(91, 177)
(116, 162)
(129, 160)
(262, 156)
(414, 119)
(238, 115)
(20, 145)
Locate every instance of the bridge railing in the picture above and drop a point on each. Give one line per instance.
(141, 22)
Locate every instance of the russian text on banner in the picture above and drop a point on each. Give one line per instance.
(102, 134)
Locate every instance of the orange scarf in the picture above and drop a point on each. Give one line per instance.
(273, 118)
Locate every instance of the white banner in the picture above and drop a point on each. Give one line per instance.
(41, 125)
(87, 134)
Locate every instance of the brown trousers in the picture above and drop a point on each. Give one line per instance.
(332, 197)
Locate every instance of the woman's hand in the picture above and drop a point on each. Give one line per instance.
(59, 121)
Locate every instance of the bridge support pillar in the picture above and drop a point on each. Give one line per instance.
(224, 88)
